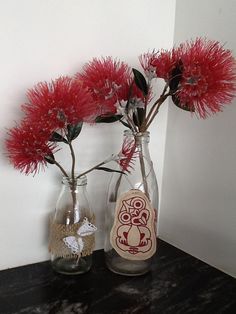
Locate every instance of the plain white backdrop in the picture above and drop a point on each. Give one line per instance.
(42, 40)
(198, 209)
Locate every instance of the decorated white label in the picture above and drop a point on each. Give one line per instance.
(133, 234)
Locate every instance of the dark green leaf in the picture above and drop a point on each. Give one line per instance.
(140, 81)
(108, 119)
(139, 116)
(50, 159)
(176, 101)
(175, 77)
(56, 137)
(125, 124)
(108, 169)
(129, 98)
(73, 131)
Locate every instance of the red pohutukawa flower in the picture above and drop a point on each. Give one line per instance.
(28, 146)
(107, 79)
(159, 64)
(127, 155)
(208, 77)
(206, 74)
(146, 61)
(61, 102)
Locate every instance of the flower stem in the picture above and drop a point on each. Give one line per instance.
(73, 179)
(73, 161)
(143, 172)
(156, 104)
(61, 168)
(160, 102)
(91, 169)
(114, 197)
(131, 123)
(112, 157)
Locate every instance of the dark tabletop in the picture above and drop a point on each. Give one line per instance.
(178, 283)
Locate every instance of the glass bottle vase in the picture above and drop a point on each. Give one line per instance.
(72, 228)
(131, 216)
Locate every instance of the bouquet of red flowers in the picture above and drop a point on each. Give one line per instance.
(199, 77)
(54, 113)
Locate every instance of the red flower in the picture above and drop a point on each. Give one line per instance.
(127, 154)
(61, 102)
(208, 78)
(28, 146)
(159, 64)
(146, 60)
(107, 80)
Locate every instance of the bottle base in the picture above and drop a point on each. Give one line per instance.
(71, 266)
(122, 266)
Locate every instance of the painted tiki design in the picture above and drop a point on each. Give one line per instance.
(133, 234)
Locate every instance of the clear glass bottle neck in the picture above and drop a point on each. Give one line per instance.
(140, 137)
(76, 183)
(141, 141)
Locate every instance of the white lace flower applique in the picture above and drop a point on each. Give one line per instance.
(76, 243)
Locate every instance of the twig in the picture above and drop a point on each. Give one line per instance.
(73, 179)
(145, 122)
(73, 161)
(161, 100)
(143, 171)
(112, 157)
(61, 168)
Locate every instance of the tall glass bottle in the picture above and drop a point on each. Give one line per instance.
(132, 203)
(72, 229)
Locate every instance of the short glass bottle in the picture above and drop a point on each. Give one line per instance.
(72, 229)
(131, 215)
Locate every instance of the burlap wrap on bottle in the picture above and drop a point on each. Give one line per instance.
(60, 231)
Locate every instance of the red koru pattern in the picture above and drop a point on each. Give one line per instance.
(134, 233)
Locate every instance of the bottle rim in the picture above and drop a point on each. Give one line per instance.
(79, 181)
(129, 132)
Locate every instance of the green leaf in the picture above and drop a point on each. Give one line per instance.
(73, 131)
(108, 169)
(139, 116)
(56, 137)
(125, 124)
(185, 107)
(129, 97)
(108, 119)
(140, 81)
(50, 159)
(176, 76)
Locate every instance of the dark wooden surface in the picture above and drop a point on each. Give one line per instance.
(178, 283)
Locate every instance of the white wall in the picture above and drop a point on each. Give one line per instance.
(41, 40)
(198, 210)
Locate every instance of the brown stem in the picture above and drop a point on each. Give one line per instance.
(73, 179)
(113, 197)
(145, 104)
(145, 122)
(61, 168)
(91, 169)
(162, 99)
(98, 165)
(143, 172)
(73, 161)
(131, 123)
